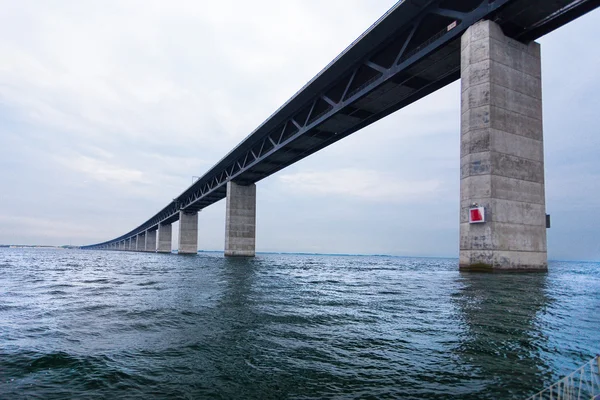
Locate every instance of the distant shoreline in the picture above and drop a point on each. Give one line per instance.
(36, 246)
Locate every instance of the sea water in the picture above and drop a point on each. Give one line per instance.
(98, 324)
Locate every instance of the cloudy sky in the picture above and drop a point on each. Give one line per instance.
(107, 110)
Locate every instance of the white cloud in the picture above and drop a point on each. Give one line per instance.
(364, 184)
(103, 171)
(48, 230)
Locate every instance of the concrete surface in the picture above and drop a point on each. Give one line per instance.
(150, 241)
(165, 235)
(502, 152)
(240, 221)
(188, 233)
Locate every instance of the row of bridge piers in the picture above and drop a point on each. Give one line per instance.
(501, 165)
(240, 229)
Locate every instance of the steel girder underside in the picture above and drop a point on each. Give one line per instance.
(410, 52)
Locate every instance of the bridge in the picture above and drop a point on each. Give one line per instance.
(416, 48)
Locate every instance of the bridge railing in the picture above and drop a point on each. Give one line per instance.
(583, 383)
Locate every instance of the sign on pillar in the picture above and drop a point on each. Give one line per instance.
(476, 214)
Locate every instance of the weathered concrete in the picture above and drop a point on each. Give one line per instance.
(141, 242)
(240, 221)
(188, 233)
(165, 235)
(133, 243)
(150, 241)
(502, 152)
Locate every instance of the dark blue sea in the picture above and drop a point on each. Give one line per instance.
(80, 324)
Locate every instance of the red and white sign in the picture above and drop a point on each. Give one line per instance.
(476, 215)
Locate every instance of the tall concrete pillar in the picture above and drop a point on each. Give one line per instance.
(188, 233)
(141, 242)
(133, 246)
(240, 221)
(150, 241)
(165, 235)
(502, 153)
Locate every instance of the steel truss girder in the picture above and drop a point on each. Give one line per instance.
(276, 140)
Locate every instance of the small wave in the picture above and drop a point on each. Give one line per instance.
(101, 280)
(57, 292)
(60, 286)
(94, 307)
(52, 360)
(149, 283)
(71, 265)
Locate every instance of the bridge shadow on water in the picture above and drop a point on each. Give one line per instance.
(226, 348)
(503, 339)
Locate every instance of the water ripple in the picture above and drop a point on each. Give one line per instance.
(79, 324)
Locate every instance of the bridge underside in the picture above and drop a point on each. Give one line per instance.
(412, 51)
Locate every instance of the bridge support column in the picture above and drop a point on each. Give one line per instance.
(502, 153)
(150, 241)
(240, 221)
(141, 242)
(188, 233)
(133, 243)
(165, 232)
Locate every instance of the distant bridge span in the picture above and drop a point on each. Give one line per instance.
(410, 52)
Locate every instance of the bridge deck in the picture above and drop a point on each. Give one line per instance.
(410, 52)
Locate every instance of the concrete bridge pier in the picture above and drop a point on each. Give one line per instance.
(150, 241)
(240, 221)
(188, 233)
(165, 234)
(131, 243)
(502, 153)
(141, 242)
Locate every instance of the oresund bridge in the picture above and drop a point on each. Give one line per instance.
(416, 48)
